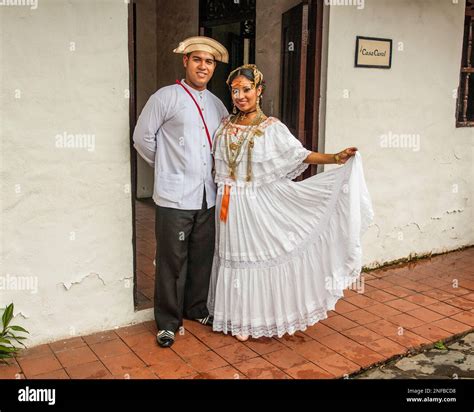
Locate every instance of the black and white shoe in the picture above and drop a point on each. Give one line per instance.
(206, 320)
(165, 338)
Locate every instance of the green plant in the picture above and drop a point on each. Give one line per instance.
(440, 345)
(8, 338)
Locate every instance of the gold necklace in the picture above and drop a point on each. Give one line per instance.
(235, 148)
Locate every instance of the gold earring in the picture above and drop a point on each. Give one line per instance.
(234, 110)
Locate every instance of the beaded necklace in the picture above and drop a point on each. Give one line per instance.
(234, 149)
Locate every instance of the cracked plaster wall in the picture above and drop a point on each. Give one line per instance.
(66, 216)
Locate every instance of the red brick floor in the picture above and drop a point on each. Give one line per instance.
(403, 308)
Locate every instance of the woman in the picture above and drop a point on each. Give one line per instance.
(285, 250)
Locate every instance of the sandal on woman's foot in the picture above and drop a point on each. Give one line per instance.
(242, 338)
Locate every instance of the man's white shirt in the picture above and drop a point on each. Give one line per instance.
(171, 137)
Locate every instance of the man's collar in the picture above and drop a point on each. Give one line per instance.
(192, 90)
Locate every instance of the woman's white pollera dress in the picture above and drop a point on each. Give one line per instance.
(288, 249)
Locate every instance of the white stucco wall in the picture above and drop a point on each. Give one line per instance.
(66, 212)
(422, 199)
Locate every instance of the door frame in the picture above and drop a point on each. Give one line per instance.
(313, 77)
(307, 127)
(294, 61)
(311, 117)
(132, 121)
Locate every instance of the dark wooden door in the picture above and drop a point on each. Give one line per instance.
(294, 43)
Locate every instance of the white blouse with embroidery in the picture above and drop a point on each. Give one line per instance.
(276, 154)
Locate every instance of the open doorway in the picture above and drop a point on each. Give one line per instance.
(155, 29)
(292, 65)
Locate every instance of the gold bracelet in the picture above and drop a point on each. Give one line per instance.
(336, 158)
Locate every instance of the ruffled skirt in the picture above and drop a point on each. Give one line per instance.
(287, 251)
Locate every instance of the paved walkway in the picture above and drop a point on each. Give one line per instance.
(404, 308)
(453, 361)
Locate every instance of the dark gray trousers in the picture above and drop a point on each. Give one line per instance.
(184, 253)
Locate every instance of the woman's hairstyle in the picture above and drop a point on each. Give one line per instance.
(250, 72)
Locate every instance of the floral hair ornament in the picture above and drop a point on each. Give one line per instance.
(257, 75)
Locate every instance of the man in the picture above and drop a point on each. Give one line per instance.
(174, 135)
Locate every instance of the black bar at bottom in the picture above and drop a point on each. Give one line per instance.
(382, 395)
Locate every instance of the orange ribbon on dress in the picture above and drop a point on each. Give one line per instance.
(225, 203)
